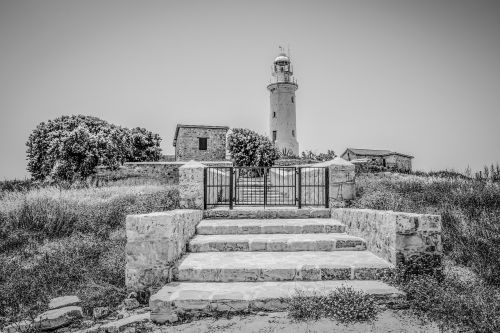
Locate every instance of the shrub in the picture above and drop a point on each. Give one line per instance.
(249, 148)
(322, 157)
(343, 304)
(16, 185)
(70, 147)
(454, 303)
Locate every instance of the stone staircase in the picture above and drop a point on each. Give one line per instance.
(255, 264)
(250, 191)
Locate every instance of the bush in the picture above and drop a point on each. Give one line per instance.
(343, 304)
(454, 303)
(70, 147)
(249, 148)
(16, 185)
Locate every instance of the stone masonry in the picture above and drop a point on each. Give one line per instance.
(154, 242)
(394, 236)
(187, 143)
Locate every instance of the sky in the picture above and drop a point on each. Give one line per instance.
(417, 77)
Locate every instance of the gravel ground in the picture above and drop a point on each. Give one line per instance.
(387, 321)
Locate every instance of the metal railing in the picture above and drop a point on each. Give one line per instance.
(266, 186)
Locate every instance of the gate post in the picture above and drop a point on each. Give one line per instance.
(231, 176)
(299, 182)
(191, 185)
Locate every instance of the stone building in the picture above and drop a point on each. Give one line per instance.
(386, 158)
(282, 116)
(200, 143)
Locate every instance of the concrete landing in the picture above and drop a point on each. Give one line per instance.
(253, 296)
(276, 242)
(272, 226)
(266, 213)
(281, 266)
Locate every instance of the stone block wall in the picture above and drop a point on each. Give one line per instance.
(187, 144)
(191, 185)
(394, 236)
(154, 242)
(144, 172)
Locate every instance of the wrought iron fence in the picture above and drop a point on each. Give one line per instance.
(266, 186)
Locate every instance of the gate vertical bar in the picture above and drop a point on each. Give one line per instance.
(205, 188)
(299, 174)
(265, 187)
(231, 175)
(327, 187)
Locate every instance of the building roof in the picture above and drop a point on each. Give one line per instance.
(374, 152)
(196, 126)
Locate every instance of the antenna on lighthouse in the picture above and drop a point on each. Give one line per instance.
(289, 53)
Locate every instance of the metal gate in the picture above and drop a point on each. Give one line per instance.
(266, 186)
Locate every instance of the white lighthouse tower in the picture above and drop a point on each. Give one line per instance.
(282, 119)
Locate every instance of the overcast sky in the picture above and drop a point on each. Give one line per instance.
(417, 77)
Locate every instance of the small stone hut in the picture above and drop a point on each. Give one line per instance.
(200, 142)
(386, 158)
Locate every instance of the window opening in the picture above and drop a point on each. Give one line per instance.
(202, 143)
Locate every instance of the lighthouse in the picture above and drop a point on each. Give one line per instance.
(282, 117)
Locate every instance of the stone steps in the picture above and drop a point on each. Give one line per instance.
(251, 296)
(269, 226)
(281, 266)
(276, 242)
(268, 213)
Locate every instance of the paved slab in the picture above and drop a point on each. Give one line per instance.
(256, 296)
(276, 242)
(281, 266)
(269, 226)
(266, 213)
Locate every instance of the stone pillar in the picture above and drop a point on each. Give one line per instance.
(342, 180)
(191, 188)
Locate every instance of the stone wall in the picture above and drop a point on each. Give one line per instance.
(187, 144)
(154, 242)
(191, 185)
(293, 162)
(394, 236)
(145, 172)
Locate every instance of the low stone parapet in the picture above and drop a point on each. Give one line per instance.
(154, 242)
(395, 236)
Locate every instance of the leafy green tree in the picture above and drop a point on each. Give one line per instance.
(70, 147)
(249, 148)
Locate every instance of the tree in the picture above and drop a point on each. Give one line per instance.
(70, 147)
(249, 148)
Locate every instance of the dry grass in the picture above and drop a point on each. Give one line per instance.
(57, 241)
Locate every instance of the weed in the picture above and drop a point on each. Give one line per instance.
(343, 304)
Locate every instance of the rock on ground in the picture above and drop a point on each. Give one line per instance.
(63, 301)
(56, 318)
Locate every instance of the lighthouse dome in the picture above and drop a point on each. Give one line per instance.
(282, 58)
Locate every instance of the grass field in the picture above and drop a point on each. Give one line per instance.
(467, 295)
(55, 242)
